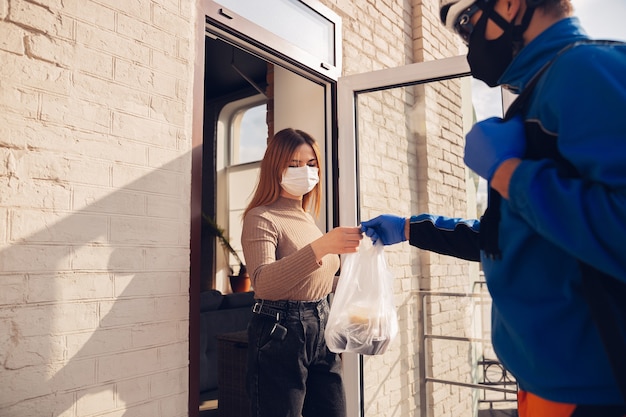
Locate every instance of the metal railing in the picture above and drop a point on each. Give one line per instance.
(501, 385)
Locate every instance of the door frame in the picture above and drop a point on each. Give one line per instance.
(348, 88)
(341, 133)
(249, 38)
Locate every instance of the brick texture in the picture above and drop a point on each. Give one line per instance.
(95, 98)
(95, 145)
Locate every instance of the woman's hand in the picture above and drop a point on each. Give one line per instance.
(338, 241)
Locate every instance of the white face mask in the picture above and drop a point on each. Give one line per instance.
(300, 180)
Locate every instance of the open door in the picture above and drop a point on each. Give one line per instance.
(400, 149)
(282, 76)
(351, 93)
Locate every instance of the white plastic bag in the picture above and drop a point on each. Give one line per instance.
(362, 316)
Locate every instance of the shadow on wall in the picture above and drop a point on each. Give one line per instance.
(95, 302)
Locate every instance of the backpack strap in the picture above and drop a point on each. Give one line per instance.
(490, 221)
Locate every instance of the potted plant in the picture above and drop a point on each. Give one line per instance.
(241, 281)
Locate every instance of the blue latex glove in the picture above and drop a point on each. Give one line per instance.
(491, 142)
(386, 227)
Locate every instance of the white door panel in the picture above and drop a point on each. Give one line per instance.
(418, 104)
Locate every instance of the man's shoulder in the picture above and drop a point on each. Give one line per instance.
(586, 61)
(586, 51)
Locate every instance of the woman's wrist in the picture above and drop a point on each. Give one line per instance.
(317, 248)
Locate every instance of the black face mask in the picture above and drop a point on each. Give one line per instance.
(489, 59)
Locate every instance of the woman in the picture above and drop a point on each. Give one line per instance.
(292, 265)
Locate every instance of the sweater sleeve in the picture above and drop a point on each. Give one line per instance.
(445, 235)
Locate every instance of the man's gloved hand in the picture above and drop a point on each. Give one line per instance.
(386, 227)
(491, 142)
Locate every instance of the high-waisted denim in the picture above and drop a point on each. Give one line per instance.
(296, 376)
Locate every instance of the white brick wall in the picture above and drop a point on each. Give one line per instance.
(95, 142)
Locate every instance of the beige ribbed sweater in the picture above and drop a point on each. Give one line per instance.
(276, 246)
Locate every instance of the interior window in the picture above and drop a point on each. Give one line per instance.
(241, 141)
(248, 134)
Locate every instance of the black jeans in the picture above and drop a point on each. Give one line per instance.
(296, 376)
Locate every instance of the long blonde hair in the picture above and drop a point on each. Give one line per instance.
(278, 155)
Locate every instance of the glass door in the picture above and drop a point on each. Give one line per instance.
(400, 147)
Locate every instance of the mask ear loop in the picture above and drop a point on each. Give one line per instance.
(488, 13)
(518, 30)
(495, 16)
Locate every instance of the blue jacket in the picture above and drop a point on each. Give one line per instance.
(541, 327)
